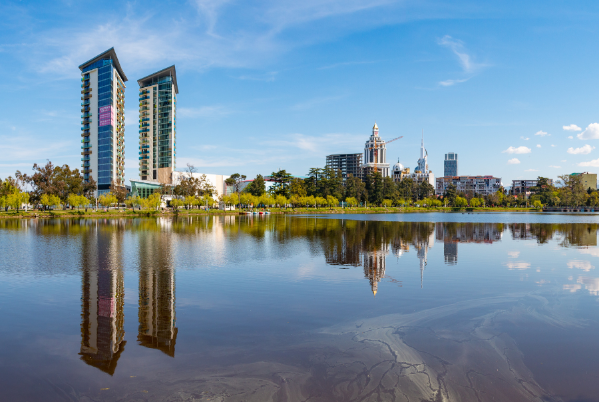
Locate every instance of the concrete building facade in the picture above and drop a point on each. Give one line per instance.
(103, 121)
(158, 125)
(481, 185)
(346, 163)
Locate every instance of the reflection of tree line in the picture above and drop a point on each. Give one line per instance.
(102, 317)
(570, 234)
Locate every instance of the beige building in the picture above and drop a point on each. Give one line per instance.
(589, 180)
(158, 125)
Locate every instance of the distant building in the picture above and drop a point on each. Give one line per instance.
(589, 180)
(481, 185)
(522, 187)
(346, 163)
(103, 121)
(399, 172)
(158, 125)
(375, 155)
(450, 165)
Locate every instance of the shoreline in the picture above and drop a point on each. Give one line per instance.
(274, 211)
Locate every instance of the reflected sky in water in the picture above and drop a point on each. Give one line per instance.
(364, 308)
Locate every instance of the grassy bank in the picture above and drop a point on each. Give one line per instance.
(128, 213)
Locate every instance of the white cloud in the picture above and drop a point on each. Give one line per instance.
(573, 288)
(525, 139)
(590, 133)
(531, 170)
(593, 163)
(590, 251)
(552, 146)
(564, 160)
(542, 133)
(519, 150)
(580, 264)
(538, 145)
(584, 150)
(570, 137)
(572, 127)
(590, 284)
(513, 161)
(555, 167)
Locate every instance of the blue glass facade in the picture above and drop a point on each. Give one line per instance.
(105, 133)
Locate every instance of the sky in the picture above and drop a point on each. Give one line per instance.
(279, 84)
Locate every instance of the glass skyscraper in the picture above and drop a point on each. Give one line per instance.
(450, 165)
(103, 121)
(158, 125)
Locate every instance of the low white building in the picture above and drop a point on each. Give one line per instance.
(216, 180)
(481, 185)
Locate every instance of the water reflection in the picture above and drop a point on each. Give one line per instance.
(102, 299)
(157, 290)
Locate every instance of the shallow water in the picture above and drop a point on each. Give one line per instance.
(453, 307)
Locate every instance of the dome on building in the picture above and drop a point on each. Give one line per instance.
(398, 167)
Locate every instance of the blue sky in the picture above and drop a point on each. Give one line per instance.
(276, 84)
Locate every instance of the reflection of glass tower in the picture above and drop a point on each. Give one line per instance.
(102, 318)
(450, 251)
(156, 294)
(374, 266)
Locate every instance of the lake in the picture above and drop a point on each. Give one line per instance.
(385, 307)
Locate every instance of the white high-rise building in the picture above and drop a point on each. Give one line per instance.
(103, 121)
(375, 155)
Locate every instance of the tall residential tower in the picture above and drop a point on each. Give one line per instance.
(375, 155)
(103, 121)
(158, 125)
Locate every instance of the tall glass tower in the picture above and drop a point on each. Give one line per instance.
(158, 125)
(103, 121)
(450, 165)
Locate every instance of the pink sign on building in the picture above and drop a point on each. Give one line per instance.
(106, 117)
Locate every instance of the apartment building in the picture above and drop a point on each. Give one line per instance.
(158, 125)
(346, 163)
(522, 187)
(481, 185)
(103, 121)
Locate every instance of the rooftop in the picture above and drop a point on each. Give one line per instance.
(109, 54)
(167, 72)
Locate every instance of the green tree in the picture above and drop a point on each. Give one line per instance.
(281, 185)
(460, 202)
(351, 201)
(257, 187)
(107, 199)
(387, 203)
(425, 190)
(405, 188)
(450, 194)
(298, 187)
(332, 201)
(355, 188)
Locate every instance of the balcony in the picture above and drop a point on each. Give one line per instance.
(87, 152)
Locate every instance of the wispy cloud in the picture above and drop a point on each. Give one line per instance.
(469, 66)
(538, 145)
(572, 127)
(519, 150)
(531, 170)
(266, 77)
(347, 63)
(513, 161)
(524, 138)
(542, 133)
(584, 150)
(518, 265)
(555, 166)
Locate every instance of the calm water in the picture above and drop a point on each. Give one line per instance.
(434, 307)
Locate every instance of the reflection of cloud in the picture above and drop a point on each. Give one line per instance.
(590, 284)
(584, 265)
(518, 265)
(513, 254)
(572, 288)
(590, 251)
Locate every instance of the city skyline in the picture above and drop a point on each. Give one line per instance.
(262, 95)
